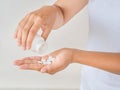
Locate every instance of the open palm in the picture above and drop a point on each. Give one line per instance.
(63, 58)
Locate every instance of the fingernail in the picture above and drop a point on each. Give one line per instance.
(24, 48)
(19, 44)
(43, 70)
(14, 63)
(23, 67)
(28, 48)
(15, 36)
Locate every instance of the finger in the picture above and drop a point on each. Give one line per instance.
(34, 29)
(21, 24)
(52, 68)
(19, 37)
(46, 32)
(18, 62)
(36, 67)
(28, 60)
(47, 69)
(15, 34)
(19, 29)
(25, 31)
(33, 57)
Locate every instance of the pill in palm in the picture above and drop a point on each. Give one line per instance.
(43, 60)
(46, 62)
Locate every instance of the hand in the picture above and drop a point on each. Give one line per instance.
(63, 58)
(43, 18)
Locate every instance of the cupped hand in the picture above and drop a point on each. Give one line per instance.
(63, 57)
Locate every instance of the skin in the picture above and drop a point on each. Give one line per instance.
(46, 18)
(56, 16)
(43, 18)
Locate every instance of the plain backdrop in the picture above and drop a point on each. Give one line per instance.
(73, 35)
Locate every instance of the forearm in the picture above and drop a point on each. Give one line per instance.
(66, 9)
(103, 60)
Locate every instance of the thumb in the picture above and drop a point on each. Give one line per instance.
(46, 32)
(44, 70)
(48, 69)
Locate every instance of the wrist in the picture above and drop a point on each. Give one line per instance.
(59, 21)
(78, 56)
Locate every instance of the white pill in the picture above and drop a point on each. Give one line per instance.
(43, 60)
(45, 63)
(48, 61)
(40, 62)
(50, 57)
(51, 60)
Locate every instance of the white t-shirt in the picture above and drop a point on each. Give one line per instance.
(104, 35)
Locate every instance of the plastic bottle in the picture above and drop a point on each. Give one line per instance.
(39, 45)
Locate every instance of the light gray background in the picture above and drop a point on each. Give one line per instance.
(73, 34)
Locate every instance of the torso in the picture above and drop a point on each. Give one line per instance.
(104, 35)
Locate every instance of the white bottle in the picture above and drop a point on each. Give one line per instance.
(39, 45)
